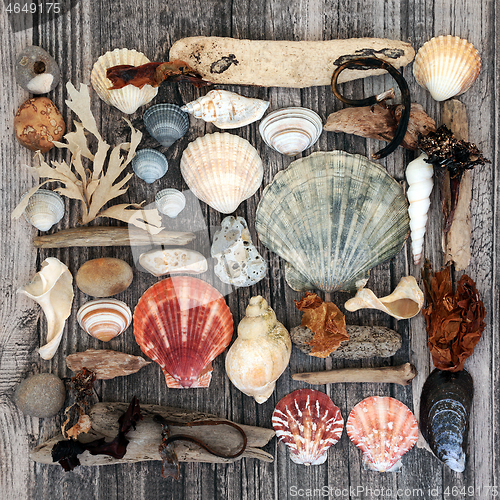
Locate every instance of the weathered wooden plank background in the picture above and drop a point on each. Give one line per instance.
(77, 39)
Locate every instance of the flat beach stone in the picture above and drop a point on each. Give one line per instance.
(104, 277)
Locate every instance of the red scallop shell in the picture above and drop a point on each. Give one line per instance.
(384, 429)
(309, 423)
(183, 323)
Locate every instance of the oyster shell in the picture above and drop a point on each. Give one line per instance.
(183, 323)
(166, 123)
(129, 98)
(222, 170)
(45, 208)
(446, 66)
(238, 261)
(149, 165)
(170, 202)
(384, 429)
(173, 260)
(291, 130)
(309, 423)
(226, 109)
(332, 217)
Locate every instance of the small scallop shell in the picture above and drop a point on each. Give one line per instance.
(150, 165)
(170, 202)
(446, 66)
(291, 130)
(104, 319)
(45, 208)
(166, 123)
(129, 98)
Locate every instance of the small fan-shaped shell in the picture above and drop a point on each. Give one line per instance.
(170, 202)
(166, 123)
(183, 323)
(384, 429)
(446, 66)
(129, 98)
(291, 130)
(45, 208)
(309, 423)
(150, 165)
(222, 170)
(226, 109)
(104, 319)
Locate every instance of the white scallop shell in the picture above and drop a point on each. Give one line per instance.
(45, 208)
(170, 202)
(173, 260)
(129, 98)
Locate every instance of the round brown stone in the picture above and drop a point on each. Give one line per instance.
(104, 277)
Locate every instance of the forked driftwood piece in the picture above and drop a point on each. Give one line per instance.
(401, 375)
(146, 438)
(109, 236)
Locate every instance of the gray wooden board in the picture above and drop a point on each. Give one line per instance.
(77, 39)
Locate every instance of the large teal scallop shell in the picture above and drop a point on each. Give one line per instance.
(332, 216)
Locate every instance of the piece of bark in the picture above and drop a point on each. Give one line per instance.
(108, 236)
(380, 122)
(146, 438)
(105, 363)
(364, 342)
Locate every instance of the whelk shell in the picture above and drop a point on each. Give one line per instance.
(446, 66)
(173, 260)
(166, 123)
(222, 170)
(183, 323)
(149, 165)
(45, 209)
(104, 319)
(309, 423)
(170, 202)
(129, 98)
(384, 429)
(226, 109)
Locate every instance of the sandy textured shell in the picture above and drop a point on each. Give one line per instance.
(222, 170)
(291, 130)
(332, 217)
(149, 165)
(238, 261)
(384, 429)
(173, 260)
(166, 123)
(226, 109)
(170, 202)
(183, 323)
(129, 98)
(45, 208)
(446, 66)
(104, 319)
(261, 352)
(309, 423)
(52, 288)
(404, 302)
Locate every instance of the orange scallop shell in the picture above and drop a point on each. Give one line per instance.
(183, 323)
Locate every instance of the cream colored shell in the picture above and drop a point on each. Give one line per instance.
(173, 260)
(261, 352)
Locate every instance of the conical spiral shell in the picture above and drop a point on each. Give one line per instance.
(45, 208)
(446, 66)
(222, 170)
(129, 98)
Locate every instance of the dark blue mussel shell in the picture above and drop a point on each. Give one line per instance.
(445, 407)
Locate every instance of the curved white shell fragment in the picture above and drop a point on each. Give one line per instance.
(226, 109)
(52, 288)
(45, 208)
(129, 98)
(173, 260)
(170, 202)
(404, 302)
(419, 175)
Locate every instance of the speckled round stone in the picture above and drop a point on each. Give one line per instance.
(104, 277)
(40, 395)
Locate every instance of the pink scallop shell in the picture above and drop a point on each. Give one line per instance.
(183, 323)
(384, 429)
(309, 423)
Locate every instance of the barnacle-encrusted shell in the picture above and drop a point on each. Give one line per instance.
(166, 123)
(332, 217)
(222, 170)
(170, 202)
(226, 109)
(104, 319)
(36, 70)
(129, 98)
(384, 429)
(150, 165)
(446, 66)
(238, 261)
(173, 260)
(183, 323)
(291, 130)
(45, 208)
(309, 423)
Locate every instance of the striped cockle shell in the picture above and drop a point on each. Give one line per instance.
(165, 122)
(149, 165)
(45, 208)
(170, 202)
(309, 423)
(384, 429)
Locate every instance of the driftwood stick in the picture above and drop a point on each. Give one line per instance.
(401, 375)
(109, 236)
